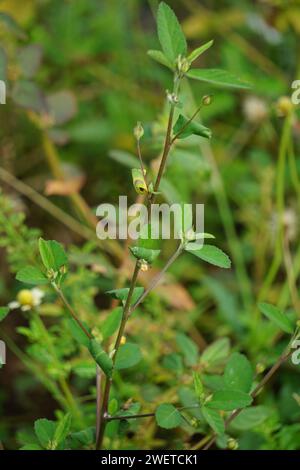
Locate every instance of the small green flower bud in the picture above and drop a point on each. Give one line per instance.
(284, 106)
(206, 100)
(138, 131)
(260, 368)
(298, 323)
(232, 444)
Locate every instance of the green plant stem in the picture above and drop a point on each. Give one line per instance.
(255, 392)
(102, 418)
(157, 278)
(108, 382)
(168, 142)
(71, 310)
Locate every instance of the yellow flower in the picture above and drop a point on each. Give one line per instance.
(27, 299)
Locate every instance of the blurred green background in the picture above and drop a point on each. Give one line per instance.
(78, 79)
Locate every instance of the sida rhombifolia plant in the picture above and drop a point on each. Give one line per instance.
(216, 402)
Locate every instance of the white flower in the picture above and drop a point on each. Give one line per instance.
(27, 299)
(255, 109)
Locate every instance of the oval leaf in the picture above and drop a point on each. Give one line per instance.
(128, 356)
(31, 275)
(167, 416)
(229, 400)
(211, 254)
(170, 34)
(238, 374)
(214, 419)
(52, 253)
(218, 77)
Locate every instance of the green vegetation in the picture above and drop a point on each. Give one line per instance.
(149, 344)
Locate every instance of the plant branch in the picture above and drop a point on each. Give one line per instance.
(71, 310)
(255, 392)
(167, 144)
(157, 278)
(126, 311)
(186, 124)
(148, 415)
(103, 411)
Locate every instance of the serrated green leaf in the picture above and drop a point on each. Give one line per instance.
(197, 52)
(185, 129)
(31, 275)
(101, 357)
(160, 57)
(170, 34)
(213, 418)
(211, 254)
(111, 323)
(144, 253)
(4, 311)
(62, 429)
(228, 400)
(52, 253)
(218, 77)
(275, 315)
(238, 374)
(167, 416)
(44, 430)
(128, 355)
